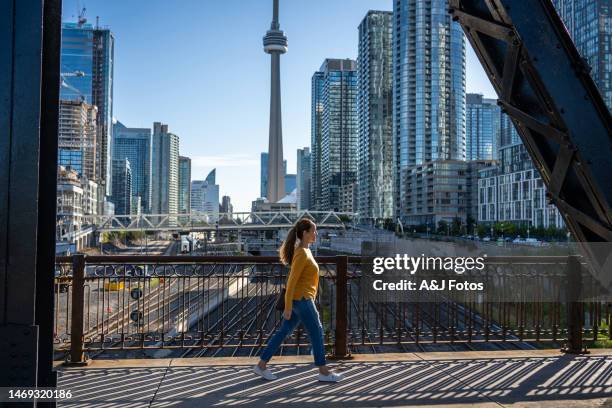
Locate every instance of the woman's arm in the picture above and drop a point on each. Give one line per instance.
(297, 266)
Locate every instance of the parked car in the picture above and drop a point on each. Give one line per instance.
(486, 239)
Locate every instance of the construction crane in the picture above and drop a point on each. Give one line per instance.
(81, 14)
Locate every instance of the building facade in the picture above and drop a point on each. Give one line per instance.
(428, 89)
(589, 23)
(205, 197)
(164, 170)
(134, 144)
(76, 142)
(290, 183)
(483, 128)
(443, 190)
(184, 198)
(226, 205)
(375, 109)
(335, 134)
(303, 178)
(514, 192)
(86, 70)
(122, 187)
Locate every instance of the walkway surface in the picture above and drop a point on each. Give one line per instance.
(450, 379)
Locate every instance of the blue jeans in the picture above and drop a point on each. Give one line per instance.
(303, 310)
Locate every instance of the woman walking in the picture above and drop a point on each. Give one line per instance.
(301, 291)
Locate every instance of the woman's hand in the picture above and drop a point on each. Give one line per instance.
(287, 314)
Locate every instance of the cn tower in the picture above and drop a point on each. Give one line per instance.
(275, 44)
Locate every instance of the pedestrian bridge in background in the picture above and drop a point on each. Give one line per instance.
(237, 221)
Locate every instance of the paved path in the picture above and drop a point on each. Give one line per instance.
(484, 379)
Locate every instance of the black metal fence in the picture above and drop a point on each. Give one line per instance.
(206, 305)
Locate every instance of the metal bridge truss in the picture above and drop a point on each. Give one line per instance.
(544, 86)
(224, 221)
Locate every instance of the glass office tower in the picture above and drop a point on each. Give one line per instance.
(375, 107)
(428, 88)
(122, 187)
(184, 198)
(135, 145)
(335, 131)
(86, 70)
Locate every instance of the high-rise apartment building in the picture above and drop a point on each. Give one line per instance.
(514, 192)
(77, 134)
(86, 71)
(375, 108)
(184, 188)
(303, 178)
(483, 128)
(122, 186)
(134, 144)
(589, 23)
(334, 132)
(428, 89)
(164, 170)
(226, 205)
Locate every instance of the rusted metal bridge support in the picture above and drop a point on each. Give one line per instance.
(575, 314)
(77, 356)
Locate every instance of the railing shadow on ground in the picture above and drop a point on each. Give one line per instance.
(566, 379)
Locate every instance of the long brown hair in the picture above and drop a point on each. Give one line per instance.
(297, 231)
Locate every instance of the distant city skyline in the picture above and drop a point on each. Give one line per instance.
(216, 101)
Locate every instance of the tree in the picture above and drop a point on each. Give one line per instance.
(442, 227)
(456, 226)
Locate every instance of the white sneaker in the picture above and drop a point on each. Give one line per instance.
(265, 374)
(331, 377)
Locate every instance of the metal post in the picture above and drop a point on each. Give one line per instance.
(77, 357)
(340, 344)
(573, 289)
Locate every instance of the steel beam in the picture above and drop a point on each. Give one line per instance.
(544, 86)
(29, 88)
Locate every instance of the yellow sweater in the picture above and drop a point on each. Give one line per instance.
(303, 278)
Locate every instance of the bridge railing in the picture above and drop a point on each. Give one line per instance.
(218, 305)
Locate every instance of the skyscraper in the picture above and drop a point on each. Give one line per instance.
(205, 196)
(226, 205)
(589, 23)
(135, 145)
(263, 175)
(335, 131)
(184, 188)
(428, 89)
(275, 44)
(303, 179)
(86, 70)
(122, 186)
(77, 137)
(375, 107)
(290, 183)
(164, 171)
(316, 123)
(483, 128)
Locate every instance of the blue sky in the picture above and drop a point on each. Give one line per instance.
(199, 66)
